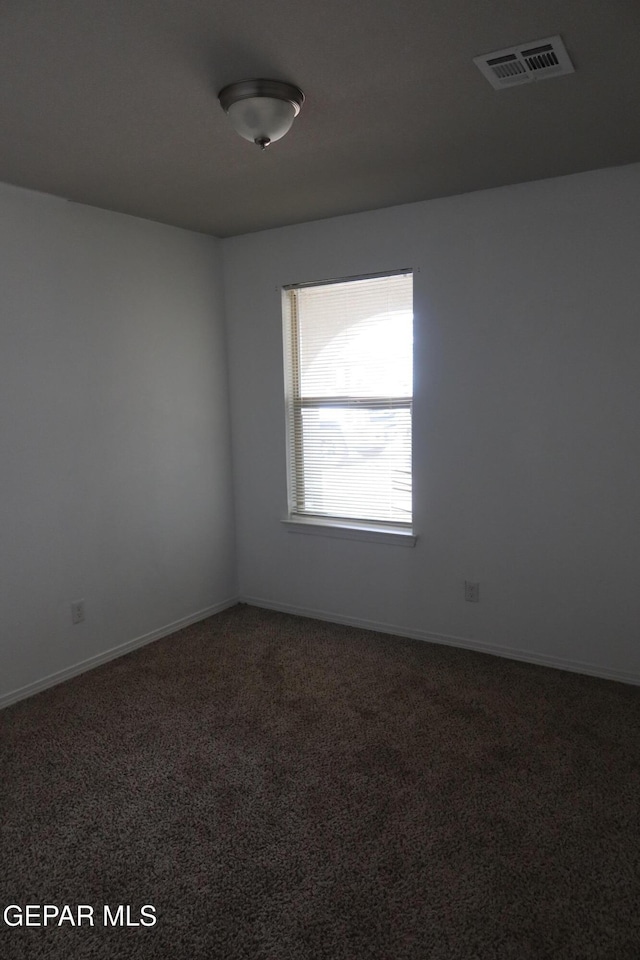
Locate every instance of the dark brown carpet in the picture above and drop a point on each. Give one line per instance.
(281, 789)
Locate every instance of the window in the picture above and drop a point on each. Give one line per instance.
(349, 394)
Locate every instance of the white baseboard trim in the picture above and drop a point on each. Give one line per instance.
(543, 660)
(61, 675)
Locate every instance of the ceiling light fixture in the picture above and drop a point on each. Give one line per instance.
(261, 110)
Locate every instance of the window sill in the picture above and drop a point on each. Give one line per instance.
(346, 531)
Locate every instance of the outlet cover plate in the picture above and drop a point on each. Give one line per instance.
(472, 591)
(77, 611)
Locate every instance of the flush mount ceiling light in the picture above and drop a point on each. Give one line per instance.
(261, 110)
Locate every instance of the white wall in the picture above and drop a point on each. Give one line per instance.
(526, 431)
(115, 477)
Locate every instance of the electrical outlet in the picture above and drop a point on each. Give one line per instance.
(471, 591)
(77, 611)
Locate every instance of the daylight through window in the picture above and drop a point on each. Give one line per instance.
(349, 393)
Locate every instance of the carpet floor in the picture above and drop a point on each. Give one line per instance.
(279, 788)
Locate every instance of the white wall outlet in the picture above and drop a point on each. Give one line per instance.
(77, 611)
(472, 591)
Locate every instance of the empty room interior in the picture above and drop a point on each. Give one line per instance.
(320, 480)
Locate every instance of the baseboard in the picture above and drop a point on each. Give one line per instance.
(558, 663)
(61, 675)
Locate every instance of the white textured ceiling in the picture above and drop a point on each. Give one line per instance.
(113, 102)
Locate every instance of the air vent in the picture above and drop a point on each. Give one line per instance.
(538, 60)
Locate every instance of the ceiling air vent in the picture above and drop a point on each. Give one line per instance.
(538, 60)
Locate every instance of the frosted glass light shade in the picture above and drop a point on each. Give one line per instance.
(261, 110)
(262, 118)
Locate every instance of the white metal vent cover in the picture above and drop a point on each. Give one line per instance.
(538, 60)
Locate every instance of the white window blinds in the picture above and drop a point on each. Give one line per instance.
(349, 359)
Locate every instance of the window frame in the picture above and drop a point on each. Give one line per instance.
(381, 531)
